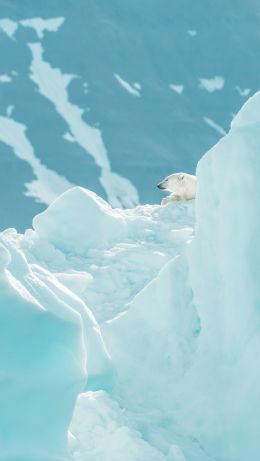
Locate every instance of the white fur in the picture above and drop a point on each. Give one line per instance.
(181, 185)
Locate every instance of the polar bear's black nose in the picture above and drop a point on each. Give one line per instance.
(160, 186)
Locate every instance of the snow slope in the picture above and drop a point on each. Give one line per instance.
(159, 306)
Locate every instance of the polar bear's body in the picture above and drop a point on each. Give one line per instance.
(181, 185)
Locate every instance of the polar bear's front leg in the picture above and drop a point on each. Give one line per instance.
(170, 198)
(166, 200)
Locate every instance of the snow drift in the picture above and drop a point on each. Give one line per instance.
(163, 319)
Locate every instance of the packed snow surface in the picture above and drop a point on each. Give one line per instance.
(243, 92)
(4, 78)
(177, 88)
(215, 125)
(212, 84)
(41, 25)
(133, 335)
(192, 32)
(8, 27)
(132, 89)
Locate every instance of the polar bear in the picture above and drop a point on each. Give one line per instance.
(181, 185)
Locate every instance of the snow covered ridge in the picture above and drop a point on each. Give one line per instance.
(162, 319)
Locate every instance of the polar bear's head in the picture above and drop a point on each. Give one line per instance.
(179, 183)
(173, 182)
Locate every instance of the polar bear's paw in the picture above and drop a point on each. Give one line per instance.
(170, 198)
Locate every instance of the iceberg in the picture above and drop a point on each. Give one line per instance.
(132, 335)
(226, 244)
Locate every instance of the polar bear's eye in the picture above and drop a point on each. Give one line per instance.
(181, 177)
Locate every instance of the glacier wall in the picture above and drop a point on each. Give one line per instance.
(224, 263)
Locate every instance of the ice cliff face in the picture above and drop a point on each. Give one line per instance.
(159, 306)
(227, 248)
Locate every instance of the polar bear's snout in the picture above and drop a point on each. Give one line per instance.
(161, 185)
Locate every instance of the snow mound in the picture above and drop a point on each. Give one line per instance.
(41, 25)
(90, 222)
